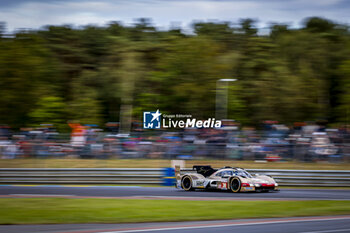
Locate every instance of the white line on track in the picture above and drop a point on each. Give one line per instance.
(233, 224)
(42, 195)
(328, 231)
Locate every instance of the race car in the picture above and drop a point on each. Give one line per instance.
(227, 178)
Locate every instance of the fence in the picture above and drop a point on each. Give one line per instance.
(160, 176)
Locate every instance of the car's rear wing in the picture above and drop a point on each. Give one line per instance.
(204, 170)
(200, 169)
(181, 171)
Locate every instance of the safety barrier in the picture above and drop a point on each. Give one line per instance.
(82, 175)
(160, 176)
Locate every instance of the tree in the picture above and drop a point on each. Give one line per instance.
(92, 72)
(84, 106)
(343, 110)
(50, 110)
(318, 25)
(26, 74)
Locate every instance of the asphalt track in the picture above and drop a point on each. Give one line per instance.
(325, 224)
(168, 193)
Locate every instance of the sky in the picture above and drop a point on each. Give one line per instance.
(34, 14)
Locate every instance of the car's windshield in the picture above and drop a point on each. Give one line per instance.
(243, 173)
(226, 173)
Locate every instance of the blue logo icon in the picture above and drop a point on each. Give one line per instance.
(151, 120)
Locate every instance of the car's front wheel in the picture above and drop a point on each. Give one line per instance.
(186, 183)
(235, 185)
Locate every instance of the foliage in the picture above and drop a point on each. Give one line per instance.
(49, 110)
(62, 73)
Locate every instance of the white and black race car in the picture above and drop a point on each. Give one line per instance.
(227, 178)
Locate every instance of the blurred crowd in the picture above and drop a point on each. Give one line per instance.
(273, 142)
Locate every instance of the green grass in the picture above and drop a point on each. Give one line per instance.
(62, 210)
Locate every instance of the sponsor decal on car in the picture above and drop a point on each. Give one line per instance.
(200, 183)
(223, 185)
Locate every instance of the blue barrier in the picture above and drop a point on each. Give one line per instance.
(168, 178)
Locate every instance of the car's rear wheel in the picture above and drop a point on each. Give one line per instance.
(235, 185)
(186, 183)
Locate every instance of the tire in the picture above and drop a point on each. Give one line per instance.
(186, 183)
(235, 185)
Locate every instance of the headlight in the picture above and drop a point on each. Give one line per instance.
(257, 185)
(276, 184)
